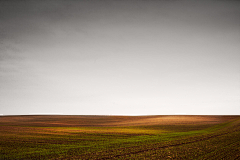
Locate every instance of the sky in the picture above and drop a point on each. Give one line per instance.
(112, 57)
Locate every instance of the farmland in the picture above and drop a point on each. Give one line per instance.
(119, 137)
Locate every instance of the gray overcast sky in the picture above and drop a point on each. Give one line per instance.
(120, 57)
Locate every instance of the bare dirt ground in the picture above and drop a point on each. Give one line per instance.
(119, 137)
(73, 120)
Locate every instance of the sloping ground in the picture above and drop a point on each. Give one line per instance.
(223, 142)
(119, 137)
(62, 120)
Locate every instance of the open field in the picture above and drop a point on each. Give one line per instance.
(119, 137)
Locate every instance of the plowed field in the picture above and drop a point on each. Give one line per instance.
(119, 137)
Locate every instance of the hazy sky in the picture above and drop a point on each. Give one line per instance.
(120, 57)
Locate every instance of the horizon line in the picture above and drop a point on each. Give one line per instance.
(176, 114)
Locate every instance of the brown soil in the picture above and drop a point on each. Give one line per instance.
(68, 120)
